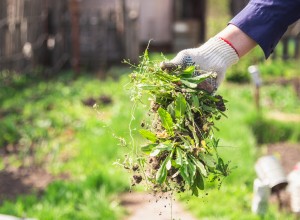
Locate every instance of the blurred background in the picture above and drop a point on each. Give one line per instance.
(59, 58)
(96, 34)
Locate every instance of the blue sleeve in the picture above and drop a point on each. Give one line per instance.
(265, 21)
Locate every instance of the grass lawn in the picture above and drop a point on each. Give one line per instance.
(70, 137)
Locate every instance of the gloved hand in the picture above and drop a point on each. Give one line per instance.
(215, 55)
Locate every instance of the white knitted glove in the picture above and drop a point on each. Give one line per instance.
(215, 55)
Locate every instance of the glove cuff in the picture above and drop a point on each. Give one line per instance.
(219, 53)
(230, 44)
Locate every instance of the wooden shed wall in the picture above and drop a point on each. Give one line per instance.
(32, 25)
(156, 21)
(21, 22)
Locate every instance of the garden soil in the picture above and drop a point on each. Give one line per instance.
(15, 181)
(145, 206)
(289, 154)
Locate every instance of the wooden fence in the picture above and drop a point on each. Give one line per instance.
(39, 32)
(292, 35)
(22, 33)
(59, 34)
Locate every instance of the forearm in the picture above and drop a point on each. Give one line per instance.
(239, 40)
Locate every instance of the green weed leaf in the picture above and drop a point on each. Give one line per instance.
(199, 181)
(198, 79)
(180, 106)
(148, 148)
(195, 101)
(171, 109)
(192, 129)
(148, 135)
(192, 171)
(184, 173)
(165, 146)
(161, 174)
(168, 164)
(166, 120)
(189, 84)
(179, 156)
(189, 70)
(199, 165)
(208, 160)
(155, 152)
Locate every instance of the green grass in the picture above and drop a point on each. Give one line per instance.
(69, 137)
(90, 199)
(274, 131)
(280, 98)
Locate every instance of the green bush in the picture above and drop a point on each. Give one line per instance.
(269, 69)
(272, 131)
(280, 98)
(9, 132)
(278, 68)
(238, 75)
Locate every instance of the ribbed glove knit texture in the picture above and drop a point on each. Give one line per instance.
(215, 55)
